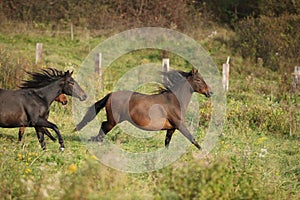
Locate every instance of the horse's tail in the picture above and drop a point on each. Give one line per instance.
(92, 112)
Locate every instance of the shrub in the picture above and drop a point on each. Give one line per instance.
(11, 71)
(275, 40)
(261, 115)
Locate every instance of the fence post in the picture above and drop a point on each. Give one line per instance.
(72, 31)
(225, 75)
(165, 68)
(294, 106)
(38, 53)
(98, 64)
(165, 64)
(98, 68)
(296, 79)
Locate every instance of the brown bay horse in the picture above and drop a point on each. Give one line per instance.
(29, 105)
(61, 99)
(165, 110)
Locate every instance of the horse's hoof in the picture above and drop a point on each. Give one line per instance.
(62, 149)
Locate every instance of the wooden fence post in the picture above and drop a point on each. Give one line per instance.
(225, 75)
(98, 68)
(296, 79)
(98, 64)
(72, 31)
(38, 53)
(165, 68)
(294, 106)
(165, 64)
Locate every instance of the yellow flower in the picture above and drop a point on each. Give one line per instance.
(72, 168)
(20, 156)
(27, 171)
(94, 157)
(261, 139)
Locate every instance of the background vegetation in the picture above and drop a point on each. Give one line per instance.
(257, 156)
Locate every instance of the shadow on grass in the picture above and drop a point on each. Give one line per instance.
(14, 136)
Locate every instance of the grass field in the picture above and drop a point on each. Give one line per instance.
(256, 156)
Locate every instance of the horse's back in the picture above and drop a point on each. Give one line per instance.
(11, 97)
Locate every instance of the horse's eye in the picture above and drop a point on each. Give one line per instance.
(198, 80)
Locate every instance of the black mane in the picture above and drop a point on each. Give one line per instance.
(172, 79)
(41, 78)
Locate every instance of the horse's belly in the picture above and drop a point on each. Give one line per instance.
(151, 117)
(159, 124)
(12, 119)
(152, 124)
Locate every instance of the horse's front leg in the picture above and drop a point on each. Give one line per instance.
(169, 137)
(45, 123)
(45, 131)
(40, 136)
(188, 135)
(106, 126)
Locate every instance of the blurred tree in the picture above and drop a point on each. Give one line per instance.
(278, 7)
(229, 11)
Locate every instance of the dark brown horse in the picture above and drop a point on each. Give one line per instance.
(61, 99)
(29, 106)
(163, 111)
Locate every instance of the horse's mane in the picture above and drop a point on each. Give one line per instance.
(172, 79)
(42, 78)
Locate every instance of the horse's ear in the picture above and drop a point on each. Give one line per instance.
(68, 73)
(194, 71)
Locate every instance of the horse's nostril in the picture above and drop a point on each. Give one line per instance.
(83, 97)
(209, 94)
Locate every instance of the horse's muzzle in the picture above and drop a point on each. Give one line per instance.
(83, 97)
(209, 94)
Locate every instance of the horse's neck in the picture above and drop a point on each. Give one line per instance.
(184, 95)
(49, 92)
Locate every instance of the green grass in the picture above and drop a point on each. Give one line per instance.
(256, 157)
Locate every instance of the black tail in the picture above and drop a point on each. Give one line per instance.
(92, 112)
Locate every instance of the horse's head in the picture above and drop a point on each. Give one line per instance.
(198, 84)
(71, 87)
(62, 99)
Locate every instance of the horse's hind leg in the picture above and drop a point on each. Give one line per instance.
(21, 133)
(187, 134)
(105, 128)
(168, 137)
